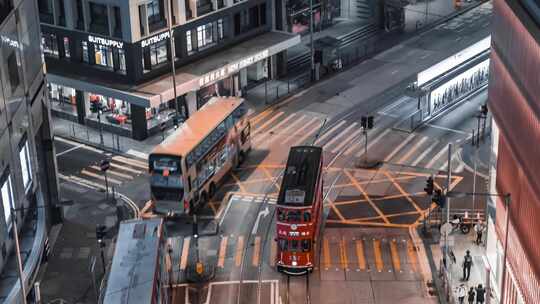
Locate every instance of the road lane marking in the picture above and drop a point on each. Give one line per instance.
(411, 253)
(395, 256)
(399, 147)
(239, 251)
(378, 255)
(268, 122)
(185, 253)
(130, 162)
(306, 135)
(360, 254)
(448, 129)
(138, 154)
(394, 72)
(222, 251)
(347, 140)
(412, 150)
(402, 191)
(260, 116)
(238, 182)
(69, 150)
(303, 128)
(436, 157)
(113, 172)
(284, 133)
(276, 127)
(101, 177)
(343, 253)
(366, 196)
(328, 145)
(82, 182)
(373, 142)
(256, 251)
(74, 143)
(124, 168)
(326, 252)
(329, 132)
(391, 106)
(425, 153)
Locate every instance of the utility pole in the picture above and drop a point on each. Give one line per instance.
(18, 254)
(446, 251)
(173, 68)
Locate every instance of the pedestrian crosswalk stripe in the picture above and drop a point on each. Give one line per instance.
(437, 157)
(101, 177)
(222, 251)
(185, 253)
(131, 162)
(256, 251)
(347, 140)
(303, 127)
(372, 142)
(326, 253)
(412, 150)
(124, 168)
(343, 254)
(425, 153)
(239, 251)
(411, 253)
(113, 172)
(330, 143)
(273, 253)
(395, 256)
(277, 127)
(329, 132)
(80, 181)
(378, 255)
(289, 128)
(399, 147)
(268, 122)
(360, 254)
(310, 132)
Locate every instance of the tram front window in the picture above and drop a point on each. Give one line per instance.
(306, 245)
(282, 244)
(166, 177)
(294, 245)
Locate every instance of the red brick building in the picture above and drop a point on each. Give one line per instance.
(514, 101)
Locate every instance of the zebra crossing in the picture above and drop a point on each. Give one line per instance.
(346, 137)
(122, 169)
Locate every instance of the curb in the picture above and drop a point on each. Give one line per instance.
(425, 268)
(93, 145)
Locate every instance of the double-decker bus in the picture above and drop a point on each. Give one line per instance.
(186, 168)
(299, 210)
(140, 266)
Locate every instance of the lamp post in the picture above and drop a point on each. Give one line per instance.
(173, 68)
(18, 254)
(312, 50)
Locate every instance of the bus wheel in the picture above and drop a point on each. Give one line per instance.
(212, 190)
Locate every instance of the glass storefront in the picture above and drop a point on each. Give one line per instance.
(155, 55)
(113, 111)
(62, 99)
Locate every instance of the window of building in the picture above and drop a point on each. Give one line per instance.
(189, 46)
(61, 13)
(45, 8)
(155, 54)
(50, 44)
(99, 19)
(26, 166)
(5, 8)
(122, 60)
(103, 55)
(67, 52)
(85, 56)
(7, 199)
(117, 22)
(220, 29)
(155, 13)
(13, 70)
(142, 20)
(263, 13)
(80, 16)
(253, 17)
(205, 35)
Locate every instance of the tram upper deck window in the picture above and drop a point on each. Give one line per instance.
(307, 216)
(306, 245)
(294, 216)
(281, 214)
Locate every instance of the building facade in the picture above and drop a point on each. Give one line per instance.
(28, 184)
(514, 100)
(115, 55)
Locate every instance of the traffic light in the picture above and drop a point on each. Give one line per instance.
(100, 232)
(439, 198)
(366, 122)
(363, 122)
(429, 186)
(370, 122)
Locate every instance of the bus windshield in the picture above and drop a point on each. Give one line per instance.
(166, 179)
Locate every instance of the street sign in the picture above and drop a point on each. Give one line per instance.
(105, 165)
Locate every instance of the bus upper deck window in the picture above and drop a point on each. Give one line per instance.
(307, 216)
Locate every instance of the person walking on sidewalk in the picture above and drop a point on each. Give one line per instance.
(479, 228)
(471, 295)
(480, 294)
(461, 293)
(467, 263)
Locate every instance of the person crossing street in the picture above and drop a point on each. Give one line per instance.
(461, 292)
(471, 295)
(467, 264)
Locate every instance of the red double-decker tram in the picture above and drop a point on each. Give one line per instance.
(299, 210)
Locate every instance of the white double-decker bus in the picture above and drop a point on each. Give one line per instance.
(187, 167)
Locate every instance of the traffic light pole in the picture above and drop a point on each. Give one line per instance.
(365, 146)
(100, 128)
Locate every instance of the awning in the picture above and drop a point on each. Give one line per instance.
(193, 76)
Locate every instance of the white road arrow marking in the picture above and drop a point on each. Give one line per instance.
(263, 213)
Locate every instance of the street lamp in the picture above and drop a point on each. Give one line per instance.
(173, 68)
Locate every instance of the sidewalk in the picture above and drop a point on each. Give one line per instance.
(462, 243)
(67, 274)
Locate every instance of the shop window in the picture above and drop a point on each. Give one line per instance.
(67, 52)
(121, 60)
(99, 19)
(155, 55)
(103, 55)
(85, 56)
(7, 198)
(62, 98)
(80, 16)
(189, 46)
(50, 44)
(205, 35)
(26, 166)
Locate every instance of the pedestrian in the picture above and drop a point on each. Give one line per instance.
(480, 294)
(461, 293)
(471, 295)
(467, 263)
(479, 228)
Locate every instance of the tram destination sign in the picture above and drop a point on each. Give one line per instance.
(295, 196)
